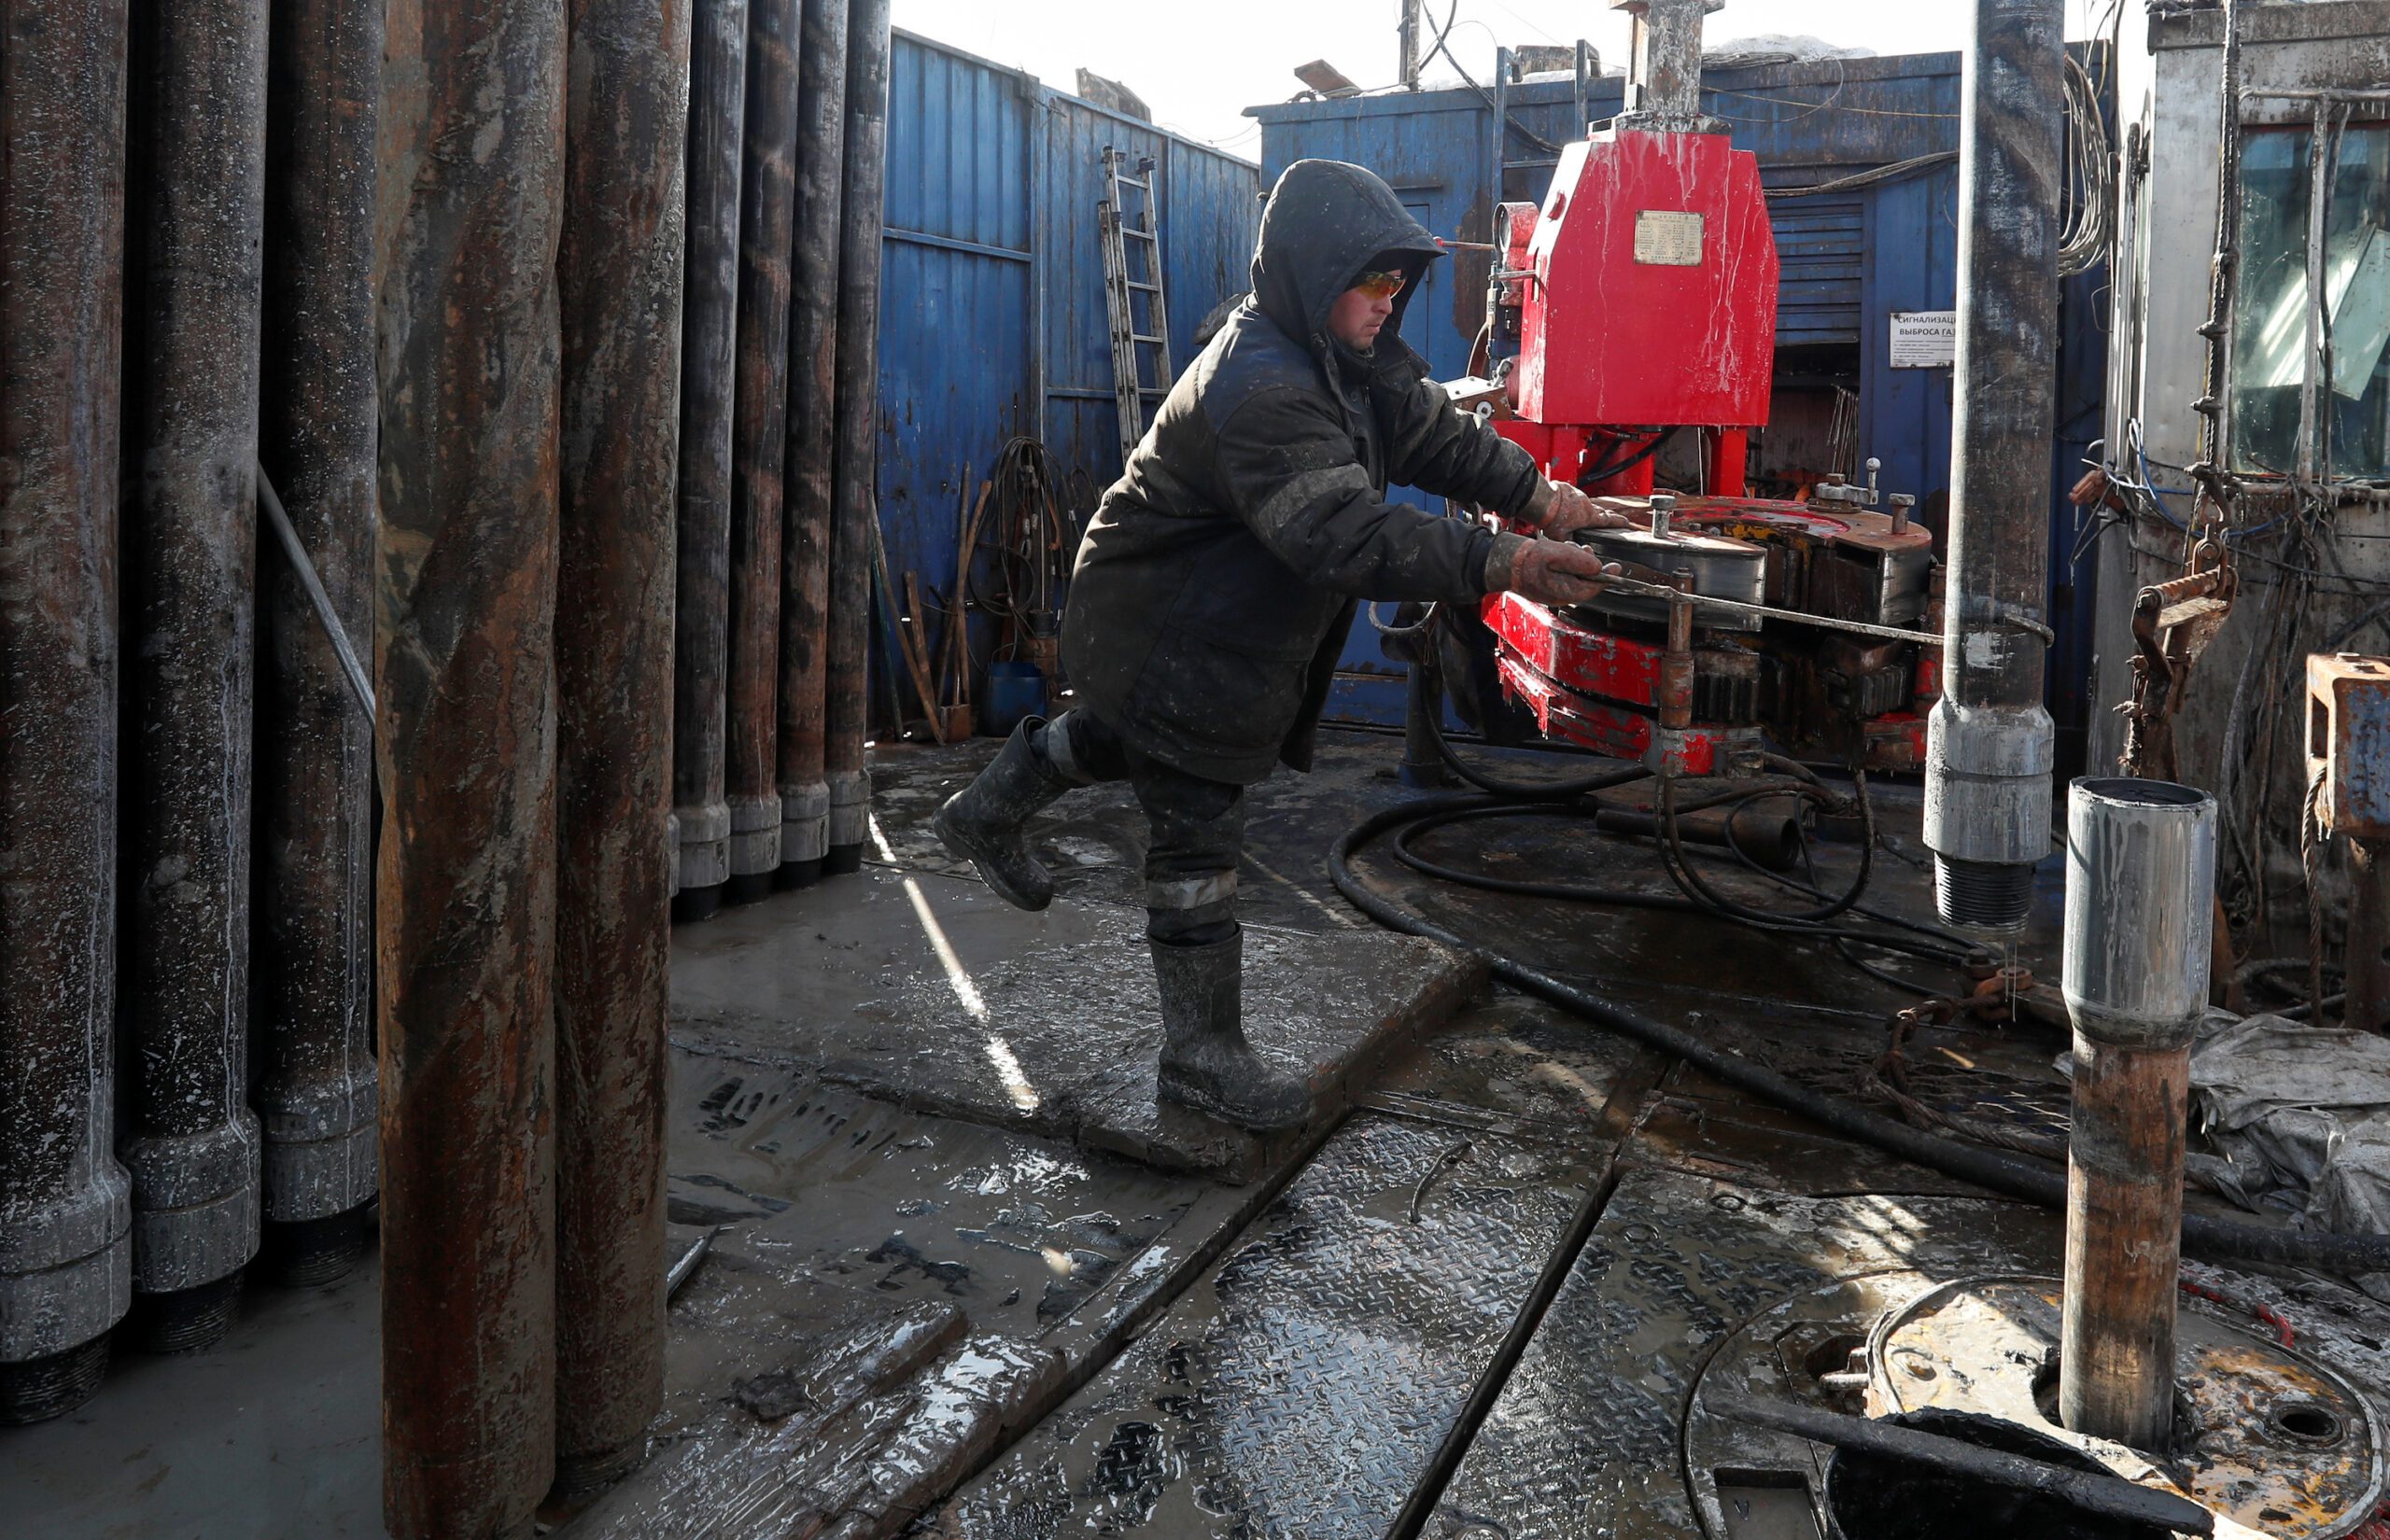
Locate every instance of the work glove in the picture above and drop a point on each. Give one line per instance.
(1547, 571)
(1557, 509)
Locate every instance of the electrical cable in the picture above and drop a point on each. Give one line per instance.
(2083, 244)
(1916, 165)
(1530, 135)
(2016, 1176)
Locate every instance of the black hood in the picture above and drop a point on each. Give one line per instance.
(1326, 224)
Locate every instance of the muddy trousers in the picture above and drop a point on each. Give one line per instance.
(1198, 827)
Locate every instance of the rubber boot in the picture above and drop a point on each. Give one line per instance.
(982, 824)
(1206, 1063)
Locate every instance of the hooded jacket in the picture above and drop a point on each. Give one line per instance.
(1218, 577)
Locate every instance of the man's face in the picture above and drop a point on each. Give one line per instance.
(1358, 313)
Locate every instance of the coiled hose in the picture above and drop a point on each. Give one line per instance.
(2014, 1176)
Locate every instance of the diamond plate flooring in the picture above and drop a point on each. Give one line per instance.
(1305, 1384)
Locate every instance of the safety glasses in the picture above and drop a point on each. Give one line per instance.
(1381, 286)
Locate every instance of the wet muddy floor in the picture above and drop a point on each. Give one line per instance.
(965, 1280)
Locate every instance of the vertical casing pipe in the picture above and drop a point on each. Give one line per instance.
(766, 223)
(854, 538)
(618, 294)
(1989, 750)
(1664, 57)
(317, 1091)
(194, 280)
(812, 396)
(708, 393)
(65, 1203)
(465, 612)
(2140, 900)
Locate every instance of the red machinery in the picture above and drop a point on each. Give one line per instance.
(1641, 298)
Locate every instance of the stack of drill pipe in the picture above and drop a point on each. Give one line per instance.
(856, 496)
(466, 692)
(193, 283)
(709, 332)
(618, 293)
(312, 979)
(768, 213)
(812, 384)
(65, 1204)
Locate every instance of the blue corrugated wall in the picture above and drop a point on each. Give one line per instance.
(992, 318)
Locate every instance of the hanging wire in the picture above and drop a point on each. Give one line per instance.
(1438, 45)
(2090, 152)
(1916, 165)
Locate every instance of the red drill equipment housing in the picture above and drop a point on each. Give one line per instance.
(1641, 298)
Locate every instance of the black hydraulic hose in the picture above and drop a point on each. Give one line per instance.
(1965, 947)
(1474, 809)
(2014, 1176)
(1842, 945)
(1557, 790)
(1594, 475)
(1672, 857)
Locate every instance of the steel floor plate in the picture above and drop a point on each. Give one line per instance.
(1590, 1435)
(1306, 1383)
(1585, 1439)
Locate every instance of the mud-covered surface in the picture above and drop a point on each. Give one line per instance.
(929, 1308)
(1305, 1383)
(941, 996)
(1019, 1232)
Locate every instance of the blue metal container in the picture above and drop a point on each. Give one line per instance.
(1015, 691)
(992, 318)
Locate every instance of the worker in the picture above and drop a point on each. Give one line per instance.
(1217, 579)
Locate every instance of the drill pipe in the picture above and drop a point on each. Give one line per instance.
(317, 1087)
(2140, 898)
(1989, 749)
(618, 289)
(766, 219)
(194, 278)
(710, 327)
(465, 690)
(812, 396)
(65, 1204)
(846, 706)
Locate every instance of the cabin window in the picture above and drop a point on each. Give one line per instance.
(2278, 369)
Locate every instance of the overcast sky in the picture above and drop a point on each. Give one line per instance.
(1199, 64)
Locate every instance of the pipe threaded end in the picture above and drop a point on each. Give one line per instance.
(303, 1253)
(35, 1390)
(1982, 895)
(184, 1320)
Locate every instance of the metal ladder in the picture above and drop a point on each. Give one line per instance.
(1122, 232)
